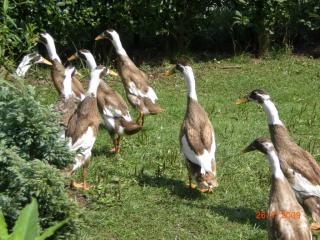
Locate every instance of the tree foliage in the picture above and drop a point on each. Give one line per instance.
(173, 25)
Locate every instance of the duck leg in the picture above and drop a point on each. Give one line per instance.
(114, 149)
(190, 184)
(118, 144)
(79, 160)
(85, 185)
(142, 118)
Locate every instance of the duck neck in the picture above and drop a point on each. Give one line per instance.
(67, 86)
(91, 62)
(93, 84)
(23, 67)
(275, 164)
(272, 113)
(52, 52)
(118, 46)
(191, 84)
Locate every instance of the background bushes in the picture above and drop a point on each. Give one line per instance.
(170, 25)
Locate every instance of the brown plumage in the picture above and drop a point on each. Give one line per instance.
(300, 168)
(131, 75)
(196, 138)
(140, 95)
(66, 107)
(112, 107)
(199, 134)
(286, 218)
(294, 157)
(57, 75)
(83, 126)
(118, 121)
(85, 116)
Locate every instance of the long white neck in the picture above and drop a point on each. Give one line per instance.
(272, 112)
(275, 164)
(118, 45)
(94, 83)
(91, 62)
(23, 67)
(191, 84)
(52, 52)
(67, 86)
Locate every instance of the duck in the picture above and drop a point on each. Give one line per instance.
(286, 218)
(27, 61)
(67, 103)
(139, 93)
(298, 165)
(197, 139)
(57, 70)
(112, 107)
(83, 127)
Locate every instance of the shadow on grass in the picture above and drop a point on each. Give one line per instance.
(240, 215)
(177, 187)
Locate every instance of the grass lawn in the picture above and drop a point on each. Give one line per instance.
(141, 193)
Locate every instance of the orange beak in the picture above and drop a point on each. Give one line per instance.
(113, 73)
(45, 61)
(72, 57)
(242, 101)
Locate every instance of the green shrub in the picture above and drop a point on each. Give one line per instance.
(31, 127)
(30, 154)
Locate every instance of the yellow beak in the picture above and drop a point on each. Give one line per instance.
(45, 61)
(72, 57)
(99, 37)
(242, 101)
(169, 72)
(78, 73)
(113, 73)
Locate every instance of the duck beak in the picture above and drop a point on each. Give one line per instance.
(45, 61)
(99, 37)
(242, 100)
(72, 57)
(250, 148)
(113, 73)
(170, 72)
(78, 73)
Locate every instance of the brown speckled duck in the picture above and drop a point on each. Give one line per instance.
(139, 93)
(298, 165)
(57, 72)
(286, 218)
(197, 139)
(113, 108)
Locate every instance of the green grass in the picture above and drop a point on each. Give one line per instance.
(141, 194)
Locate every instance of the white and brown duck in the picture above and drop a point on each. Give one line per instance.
(139, 93)
(298, 165)
(29, 60)
(197, 140)
(113, 108)
(83, 126)
(286, 218)
(57, 71)
(67, 103)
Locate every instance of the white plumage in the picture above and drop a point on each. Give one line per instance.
(204, 160)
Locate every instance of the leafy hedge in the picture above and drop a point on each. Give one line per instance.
(169, 24)
(30, 154)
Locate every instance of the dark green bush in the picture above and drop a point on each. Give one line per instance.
(30, 154)
(20, 180)
(31, 127)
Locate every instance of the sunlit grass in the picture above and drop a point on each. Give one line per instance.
(141, 194)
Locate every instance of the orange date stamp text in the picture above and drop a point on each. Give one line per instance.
(282, 214)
